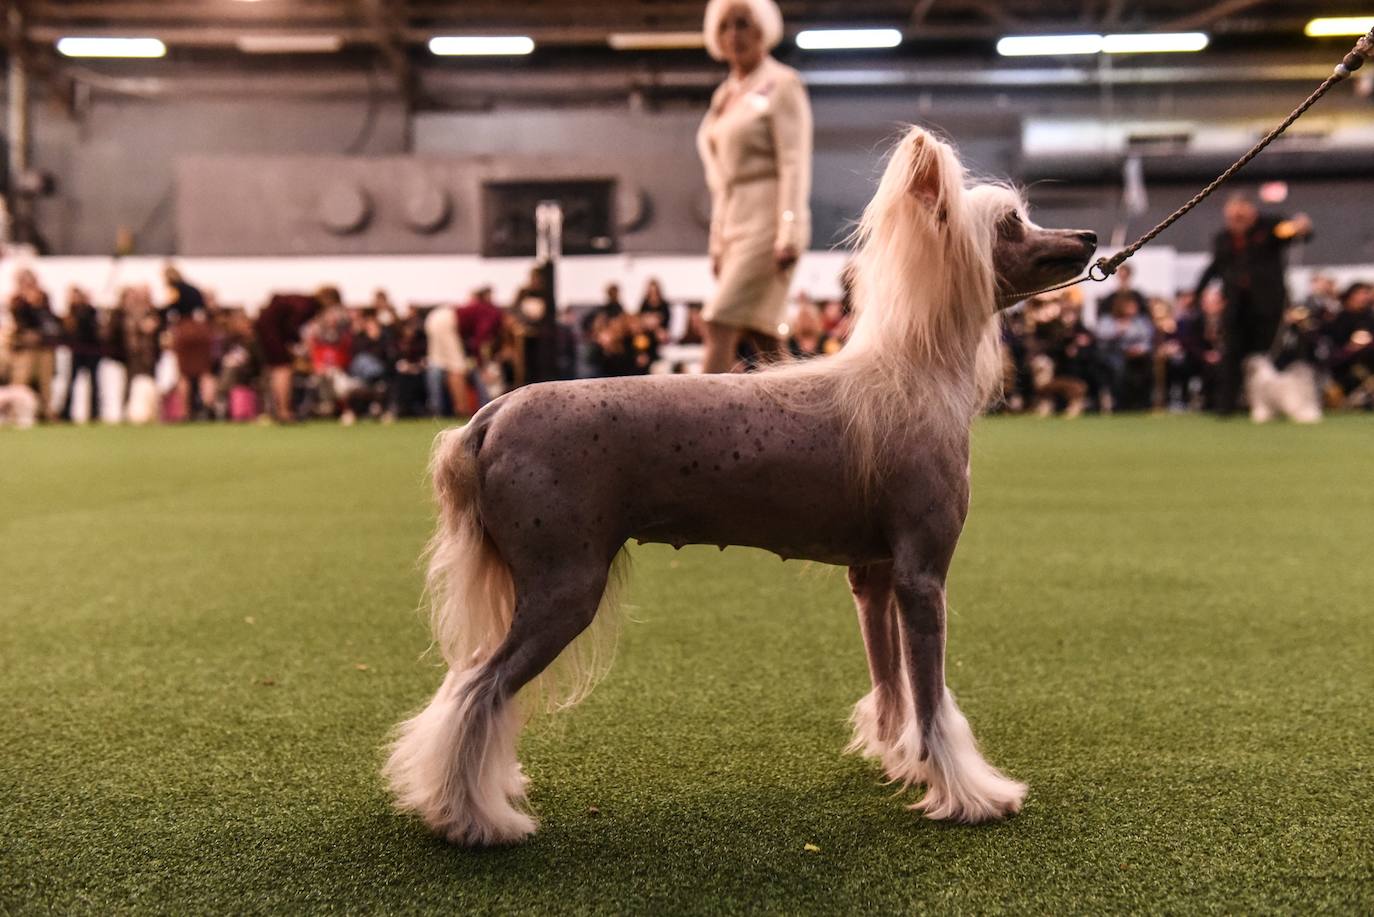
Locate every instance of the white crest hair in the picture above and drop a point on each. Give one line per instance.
(765, 13)
(925, 348)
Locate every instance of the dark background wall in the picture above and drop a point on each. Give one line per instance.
(115, 164)
(192, 176)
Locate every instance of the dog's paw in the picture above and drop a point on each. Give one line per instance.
(867, 741)
(498, 829)
(516, 783)
(878, 724)
(993, 798)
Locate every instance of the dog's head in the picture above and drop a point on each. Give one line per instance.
(978, 226)
(1029, 258)
(937, 255)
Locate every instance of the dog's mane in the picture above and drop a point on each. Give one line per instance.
(925, 349)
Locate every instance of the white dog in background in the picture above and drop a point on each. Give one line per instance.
(18, 406)
(1289, 392)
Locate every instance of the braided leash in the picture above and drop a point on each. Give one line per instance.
(1106, 267)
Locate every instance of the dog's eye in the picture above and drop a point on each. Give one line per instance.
(1010, 226)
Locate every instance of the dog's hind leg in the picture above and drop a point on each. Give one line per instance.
(960, 785)
(879, 715)
(471, 789)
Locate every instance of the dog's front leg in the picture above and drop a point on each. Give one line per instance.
(938, 747)
(878, 717)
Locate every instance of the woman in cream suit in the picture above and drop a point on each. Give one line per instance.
(755, 144)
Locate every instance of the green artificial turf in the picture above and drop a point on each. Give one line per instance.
(1164, 625)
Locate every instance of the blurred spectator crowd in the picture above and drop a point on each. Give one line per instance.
(177, 355)
(1159, 354)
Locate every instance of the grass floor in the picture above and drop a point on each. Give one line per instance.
(1164, 625)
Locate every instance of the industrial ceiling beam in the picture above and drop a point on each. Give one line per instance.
(919, 11)
(196, 23)
(996, 13)
(1111, 16)
(220, 36)
(387, 19)
(205, 36)
(568, 84)
(182, 11)
(1208, 15)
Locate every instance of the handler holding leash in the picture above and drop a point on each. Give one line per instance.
(755, 144)
(1248, 256)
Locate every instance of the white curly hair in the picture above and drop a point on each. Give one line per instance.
(765, 13)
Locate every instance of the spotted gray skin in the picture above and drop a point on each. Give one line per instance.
(567, 472)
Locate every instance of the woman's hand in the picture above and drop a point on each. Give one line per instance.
(786, 256)
(715, 266)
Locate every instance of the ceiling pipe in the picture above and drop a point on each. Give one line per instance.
(17, 128)
(572, 84)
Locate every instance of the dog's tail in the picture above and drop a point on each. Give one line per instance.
(468, 586)
(470, 590)
(454, 763)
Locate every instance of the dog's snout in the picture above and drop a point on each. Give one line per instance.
(1087, 237)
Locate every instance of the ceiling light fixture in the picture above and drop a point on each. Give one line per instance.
(847, 39)
(456, 45)
(1154, 42)
(1120, 43)
(110, 47)
(289, 44)
(1057, 45)
(1329, 26)
(655, 41)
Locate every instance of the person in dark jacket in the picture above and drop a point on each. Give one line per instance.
(183, 299)
(1349, 339)
(1061, 357)
(1248, 257)
(372, 366)
(655, 303)
(1125, 289)
(1199, 336)
(1125, 348)
(82, 327)
(408, 390)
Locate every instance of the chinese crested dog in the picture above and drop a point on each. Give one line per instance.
(859, 459)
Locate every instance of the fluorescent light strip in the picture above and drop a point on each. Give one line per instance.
(111, 47)
(1057, 45)
(289, 44)
(454, 45)
(655, 41)
(1328, 26)
(1121, 43)
(1154, 42)
(847, 39)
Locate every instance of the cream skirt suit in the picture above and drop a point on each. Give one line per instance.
(755, 144)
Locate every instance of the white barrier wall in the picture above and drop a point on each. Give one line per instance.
(428, 280)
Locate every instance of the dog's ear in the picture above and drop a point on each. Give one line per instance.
(925, 180)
